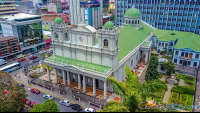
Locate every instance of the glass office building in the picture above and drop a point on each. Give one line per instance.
(178, 15)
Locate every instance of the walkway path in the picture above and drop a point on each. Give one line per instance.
(167, 93)
(181, 82)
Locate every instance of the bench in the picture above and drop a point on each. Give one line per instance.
(48, 87)
(40, 85)
(96, 105)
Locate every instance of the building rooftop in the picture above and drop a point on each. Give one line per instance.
(130, 38)
(58, 20)
(185, 39)
(21, 16)
(133, 12)
(87, 65)
(108, 24)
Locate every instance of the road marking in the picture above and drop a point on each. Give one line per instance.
(48, 93)
(196, 99)
(197, 83)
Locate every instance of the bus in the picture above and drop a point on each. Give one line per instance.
(11, 67)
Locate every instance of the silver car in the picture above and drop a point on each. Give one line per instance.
(47, 96)
(65, 103)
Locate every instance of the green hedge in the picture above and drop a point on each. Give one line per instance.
(152, 54)
(160, 76)
(189, 82)
(174, 96)
(167, 57)
(183, 90)
(183, 98)
(159, 95)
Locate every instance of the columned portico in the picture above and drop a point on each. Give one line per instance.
(146, 57)
(79, 82)
(48, 73)
(56, 74)
(94, 87)
(68, 79)
(64, 77)
(105, 89)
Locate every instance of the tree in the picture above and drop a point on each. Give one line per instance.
(12, 101)
(106, 6)
(169, 66)
(131, 93)
(152, 72)
(112, 18)
(48, 106)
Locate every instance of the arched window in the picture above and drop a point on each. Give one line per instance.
(126, 21)
(182, 53)
(136, 22)
(186, 54)
(66, 37)
(129, 22)
(116, 42)
(132, 62)
(175, 60)
(56, 35)
(132, 21)
(105, 43)
(162, 68)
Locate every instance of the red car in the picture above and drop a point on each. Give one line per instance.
(34, 57)
(32, 104)
(46, 48)
(26, 101)
(35, 91)
(21, 60)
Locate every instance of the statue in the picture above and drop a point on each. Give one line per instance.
(41, 68)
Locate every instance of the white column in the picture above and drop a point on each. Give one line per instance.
(56, 74)
(48, 73)
(68, 79)
(94, 87)
(149, 54)
(84, 85)
(79, 82)
(146, 57)
(105, 89)
(64, 77)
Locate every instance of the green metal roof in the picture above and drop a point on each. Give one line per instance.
(87, 65)
(58, 20)
(133, 12)
(129, 38)
(185, 39)
(108, 24)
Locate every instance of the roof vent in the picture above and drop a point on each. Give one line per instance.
(173, 34)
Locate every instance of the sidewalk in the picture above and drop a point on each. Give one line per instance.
(24, 79)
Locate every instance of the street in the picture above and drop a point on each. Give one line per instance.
(39, 99)
(197, 99)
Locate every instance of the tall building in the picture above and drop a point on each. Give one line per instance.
(105, 2)
(86, 12)
(7, 7)
(54, 6)
(178, 15)
(27, 28)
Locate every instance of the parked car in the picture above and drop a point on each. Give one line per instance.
(21, 60)
(36, 91)
(26, 101)
(21, 56)
(46, 48)
(2, 62)
(65, 103)
(8, 71)
(43, 51)
(32, 104)
(21, 85)
(50, 50)
(34, 57)
(47, 96)
(89, 110)
(76, 107)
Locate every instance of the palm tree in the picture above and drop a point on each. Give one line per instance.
(131, 93)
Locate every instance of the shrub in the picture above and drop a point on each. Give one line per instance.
(183, 98)
(160, 76)
(166, 81)
(36, 75)
(183, 90)
(189, 82)
(167, 57)
(152, 54)
(190, 78)
(174, 96)
(176, 83)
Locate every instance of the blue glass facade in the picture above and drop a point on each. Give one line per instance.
(178, 15)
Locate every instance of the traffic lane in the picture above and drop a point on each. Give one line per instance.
(39, 99)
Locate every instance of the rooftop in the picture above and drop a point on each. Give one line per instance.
(108, 24)
(185, 39)
(133, 12)
(130, 38)
(87, 65)
(21, 16)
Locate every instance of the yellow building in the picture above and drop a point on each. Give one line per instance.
(111, 6)
(7, 7)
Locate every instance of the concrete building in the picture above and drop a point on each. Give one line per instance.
(7, 7)
(27, 28)
(29, 4)
(178, 15)
(22, 9)
(79, 58)
(90, 13)
(9, 47)
(54, 6)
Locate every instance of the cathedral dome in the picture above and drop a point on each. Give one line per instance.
(133, 12)
(108, 24)
(58, 20)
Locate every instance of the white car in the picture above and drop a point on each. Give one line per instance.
(65, 103)
(42, 51)
(89, 110)
(47, 96)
